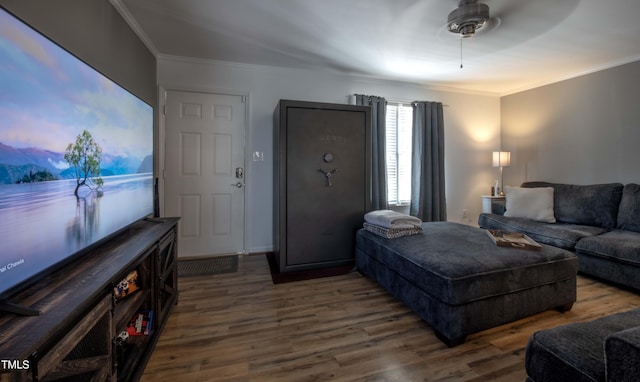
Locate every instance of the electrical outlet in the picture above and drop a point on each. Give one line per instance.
(466, 219)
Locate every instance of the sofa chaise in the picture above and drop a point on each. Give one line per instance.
(605, 349)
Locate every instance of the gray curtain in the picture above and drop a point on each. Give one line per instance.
(427, 167)
(378, 149)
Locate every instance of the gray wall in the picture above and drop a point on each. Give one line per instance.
(95, 32)
(584, 130)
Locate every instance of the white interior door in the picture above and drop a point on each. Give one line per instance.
(204, 171)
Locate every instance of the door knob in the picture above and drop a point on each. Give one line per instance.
(239, 184)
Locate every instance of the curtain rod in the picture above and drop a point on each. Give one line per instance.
(410, 102)
(399, 101)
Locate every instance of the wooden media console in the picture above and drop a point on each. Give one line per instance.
(79, 335)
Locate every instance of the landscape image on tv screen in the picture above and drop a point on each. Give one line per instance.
(76, 154)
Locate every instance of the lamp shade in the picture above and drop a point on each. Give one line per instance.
(501, 158)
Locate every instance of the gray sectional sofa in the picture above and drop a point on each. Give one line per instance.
(600, 223)
(606, 349)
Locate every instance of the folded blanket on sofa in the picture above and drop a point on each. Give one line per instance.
(392, 219)
(391, 233)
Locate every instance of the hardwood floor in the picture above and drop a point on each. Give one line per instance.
(241, 327)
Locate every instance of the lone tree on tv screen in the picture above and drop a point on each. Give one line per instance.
(85, 156)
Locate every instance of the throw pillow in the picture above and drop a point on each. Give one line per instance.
(530, 203)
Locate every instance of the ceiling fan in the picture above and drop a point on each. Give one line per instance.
(469, 17)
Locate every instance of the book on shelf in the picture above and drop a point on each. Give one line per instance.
(512, 239)
(127, 286)
(141, 323)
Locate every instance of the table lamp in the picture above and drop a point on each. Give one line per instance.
(501, 159)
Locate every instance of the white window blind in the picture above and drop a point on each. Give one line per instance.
(398, 139)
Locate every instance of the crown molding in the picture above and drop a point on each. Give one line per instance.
(353, 76)
(595, 69)
(133, 24)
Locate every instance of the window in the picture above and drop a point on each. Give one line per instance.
(398, 141)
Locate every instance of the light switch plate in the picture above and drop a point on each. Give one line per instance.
(258, 156)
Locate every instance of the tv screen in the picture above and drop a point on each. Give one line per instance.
(76, 156)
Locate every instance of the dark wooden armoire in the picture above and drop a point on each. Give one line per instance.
(322, 167)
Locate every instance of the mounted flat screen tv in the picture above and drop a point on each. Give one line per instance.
(76, 157)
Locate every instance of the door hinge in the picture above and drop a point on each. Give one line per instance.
(164, 109)
(244, 99)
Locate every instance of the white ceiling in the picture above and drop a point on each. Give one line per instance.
(528, 44)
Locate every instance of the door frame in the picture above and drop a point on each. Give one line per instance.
(161, 142)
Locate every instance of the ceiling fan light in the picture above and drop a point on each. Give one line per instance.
(469, 17)
(467, 30)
